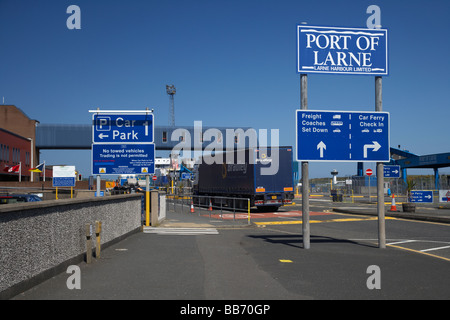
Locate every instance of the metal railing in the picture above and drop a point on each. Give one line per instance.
(224, 208)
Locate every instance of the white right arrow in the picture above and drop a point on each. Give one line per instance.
(375, 146)
(321, 146)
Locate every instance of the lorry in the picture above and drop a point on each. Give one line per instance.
(239, 175)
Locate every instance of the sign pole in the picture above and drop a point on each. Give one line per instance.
(305, 169)
(147, 200)
(380, 172)
(98, 185)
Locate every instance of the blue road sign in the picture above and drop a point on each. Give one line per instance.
(185, 176)
(421, 196)
(342, 136)
(392, 171)
(334, 50)
(63, 181)
(123, 159)
(122, 128)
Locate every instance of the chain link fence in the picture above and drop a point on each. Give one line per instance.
(353, 188)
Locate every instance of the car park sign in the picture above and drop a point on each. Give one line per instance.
(122, 142)
(342, 136)
(335, 50)
(122, 128)
(123, 159)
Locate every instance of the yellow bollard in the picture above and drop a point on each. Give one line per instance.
(147, 208)
(98, 230)
(248, 204)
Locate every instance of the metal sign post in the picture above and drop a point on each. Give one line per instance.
(380, 172)
(147, 200)
(369, 173)
(305, 170)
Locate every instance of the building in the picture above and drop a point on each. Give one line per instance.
(17, 144)
(14, 150)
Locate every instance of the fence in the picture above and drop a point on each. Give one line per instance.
(364, 188)
(224, 208)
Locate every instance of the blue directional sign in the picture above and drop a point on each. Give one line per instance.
(63, 182)
(392, 171)
(185, 176)
(342, 136)
(421, 196)
(334, 50)
(123, 159)
(122, 128)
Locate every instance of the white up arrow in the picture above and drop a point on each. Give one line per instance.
(321, 146)
(375, 146)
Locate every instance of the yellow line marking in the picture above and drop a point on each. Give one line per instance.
(268, 223)
(421, 252)
(286, 261)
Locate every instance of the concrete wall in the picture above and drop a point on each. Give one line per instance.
(41, 239)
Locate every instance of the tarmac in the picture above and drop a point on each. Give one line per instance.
(433, 212)
(232, 260)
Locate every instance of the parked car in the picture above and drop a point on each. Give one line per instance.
(14, 198)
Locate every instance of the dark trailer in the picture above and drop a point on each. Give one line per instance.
(264, 175)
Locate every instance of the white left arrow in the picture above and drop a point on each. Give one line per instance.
(101, 136)
(375, 146)
(322, 146)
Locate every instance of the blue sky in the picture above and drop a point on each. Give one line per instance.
(233, 64)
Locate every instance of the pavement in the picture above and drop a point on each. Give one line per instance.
(194, 257)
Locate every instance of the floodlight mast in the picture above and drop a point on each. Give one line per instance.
(171, 90)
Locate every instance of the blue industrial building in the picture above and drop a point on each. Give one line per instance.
(407, 160)
(67, 136)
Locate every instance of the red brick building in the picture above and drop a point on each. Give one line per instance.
(17, 144)
(14, 150)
